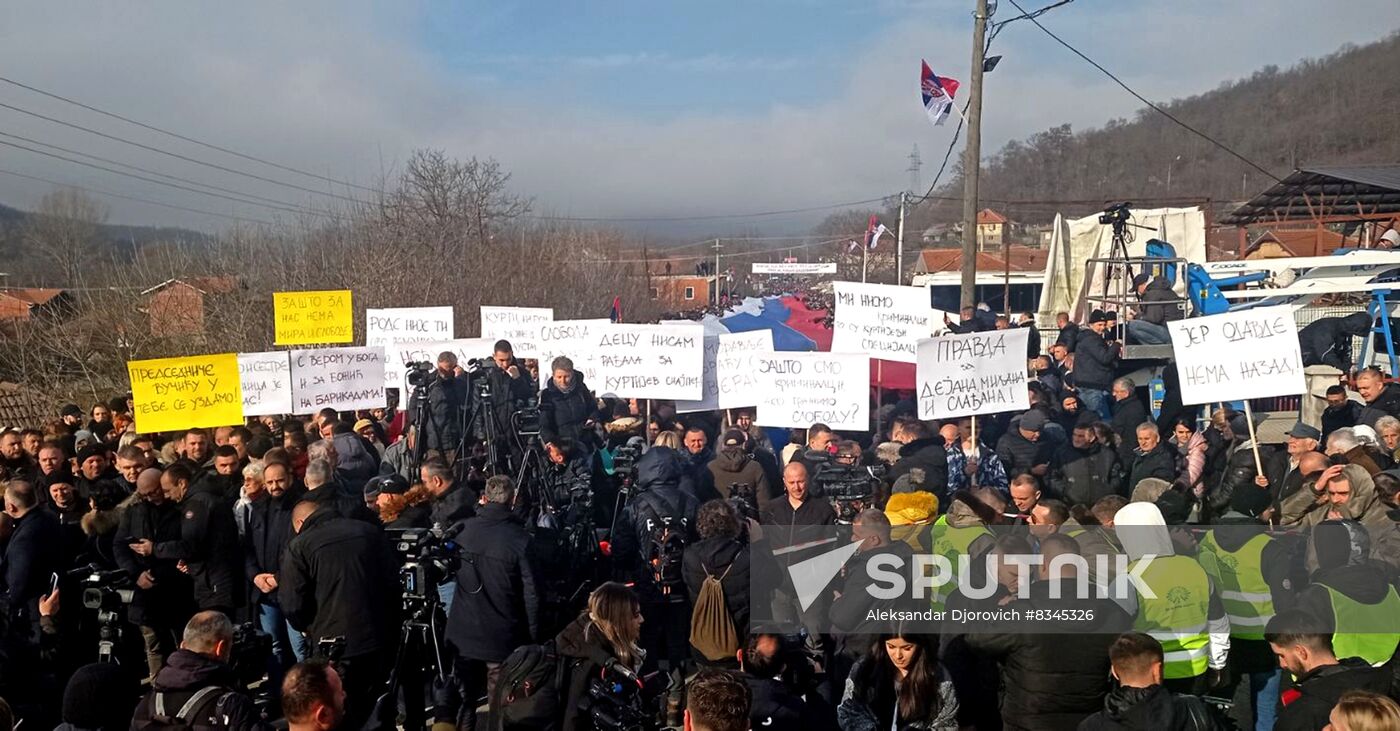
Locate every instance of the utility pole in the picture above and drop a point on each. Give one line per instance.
(717, 272)
(972, 159)
(899, 247)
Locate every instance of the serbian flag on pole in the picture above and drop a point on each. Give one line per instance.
(873, 231)
(616, 314)
(938, 94)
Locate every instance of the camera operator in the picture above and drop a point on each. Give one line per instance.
(207, 548)
(567, 407)
(497, 605)
(335, 582)
(264, 544)
(197, 685)
(163, 598)
(568, 470)
(511, 386)
(453, 502)
(604, 635)
(649, 549)
(446, 394)
(923, 449)
(784, 696)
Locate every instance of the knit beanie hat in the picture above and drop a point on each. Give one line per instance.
(100, 696)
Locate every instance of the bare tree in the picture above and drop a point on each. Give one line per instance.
(64, 228)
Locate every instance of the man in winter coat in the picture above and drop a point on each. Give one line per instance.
(1084, 470)
(162, 602)
(1305, 650)
(1158, 305)
(497, 605)
(1068, 332)
(356, 461)
(264, 544)
(31, 557)
(734, 465)
(567, 407)
(208, 544)
(1051, 683)
(794, 519)
(922, 450)
(1152, 458)
(1140, 703)
(1095, 363)
(1327, 340)
(720, 552)
(332, 584)
(1350, 583)
(1128, 413)
(1382, 399)
(852, 610)
(1240, 473)
(446, 396)
(1020, 449)
(1341, 411)
(766, 666)
(201, 663)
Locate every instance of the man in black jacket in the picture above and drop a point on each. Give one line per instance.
(453, 502)
(511, 387)
(854, 610)
(1340, 412)
(1151, 458)
(1159, 305)
(790, 524)
(1095, 363)
(268, 533)
(163, 599)
(1140, 703)
(31, 558)
(1068, 333)
(1382, 399)
(208, 544)
(1327, 340)
(1304, 649)
(922, 449)
(567, 407)
(779, 703)
(333, 583)
(1084, 470)
(1020, 449)
(1128, 413)
(497, 605)
(199, 675)
(446, 396)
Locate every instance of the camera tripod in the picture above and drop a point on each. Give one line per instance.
(418, 634)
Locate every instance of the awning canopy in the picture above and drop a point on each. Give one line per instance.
(1341, 192)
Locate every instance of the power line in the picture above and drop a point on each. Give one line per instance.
(1032, 18)
(179, 136)
(177, 155)
(99, 191)
(272, 203)
(713, 217)
(148, 180)
(693, 257)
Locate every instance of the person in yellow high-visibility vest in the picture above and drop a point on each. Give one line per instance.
(1247, 566)
(1351, 595)
(1183, 610)
(962, 531)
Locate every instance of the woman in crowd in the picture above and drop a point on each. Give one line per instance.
(1358, 710)
(607, 632)
(899, 685)
(1190, 454)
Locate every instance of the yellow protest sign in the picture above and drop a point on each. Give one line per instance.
(313, 318)
(184, 393)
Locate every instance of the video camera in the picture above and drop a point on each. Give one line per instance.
(420, 373)
(527, 419)
(620, 700)
(744, 499)
(105, 591)
(251, 649)
(430, 557)
(1116, 214)
(849, 488)
(625, 458)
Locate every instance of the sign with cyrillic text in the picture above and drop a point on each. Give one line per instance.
(794, 267)
(196, 391)
(1238, 355)
(730, 381)
(313, 318)
(648, 361)
(885, 320)
(267, 383)
(972, 374)
(519, 325)
(394, 325)
(802, 389)
(572, 339)
(343, 379)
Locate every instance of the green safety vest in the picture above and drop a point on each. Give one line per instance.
(950, 543)
(1177, 616)
(1239, 576)
(1361, 628)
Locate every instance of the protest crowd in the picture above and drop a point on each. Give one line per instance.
(505, 547)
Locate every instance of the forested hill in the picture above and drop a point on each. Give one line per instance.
(1338, 109)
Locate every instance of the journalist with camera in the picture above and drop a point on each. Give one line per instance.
(847, 485)
(436, 409)
(198, 684)
(603, 653)
(497, 606)
(509, 389)
(332, 584)
(568, 474)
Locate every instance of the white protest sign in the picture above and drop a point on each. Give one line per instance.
(801, 389)
(519, 325)
(267, 383)
(885, 320)
(973, 373)
(794, 267)
(729, 377)
(390, 326)
(344, 379)
(649, 361)
(572, 339)
(399, 355)
(1238, 355)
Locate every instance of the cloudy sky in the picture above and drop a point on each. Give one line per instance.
(610, 108)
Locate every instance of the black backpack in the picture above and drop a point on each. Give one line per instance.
(529, 691)
(664, 550)
(198, 710)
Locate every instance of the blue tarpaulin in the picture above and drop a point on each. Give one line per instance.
(784, 337)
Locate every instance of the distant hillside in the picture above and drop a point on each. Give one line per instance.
(1336, 109)
(117, 241)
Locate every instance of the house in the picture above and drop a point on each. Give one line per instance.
(992, 230)
(21, 303)
(179, 306)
